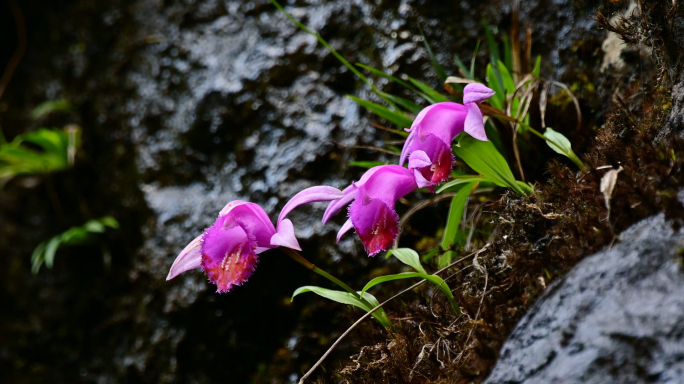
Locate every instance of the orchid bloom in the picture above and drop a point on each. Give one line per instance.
(227, 251)
(372, 199)
(428, 147)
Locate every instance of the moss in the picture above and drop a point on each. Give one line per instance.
(534, 241)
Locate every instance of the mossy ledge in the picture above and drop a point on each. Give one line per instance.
(540, 238)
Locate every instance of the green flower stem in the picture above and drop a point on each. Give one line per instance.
(294, 255)
(334, 52)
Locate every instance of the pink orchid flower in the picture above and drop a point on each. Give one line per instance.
(428, 147)
(228, 251)
(372, 213)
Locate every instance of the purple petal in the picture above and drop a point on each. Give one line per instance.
(476, 92)
(336, 205)
(253, 219)
(345, 228)
(230, 206)
(228, 256)
(189, 258)
(420, 179)
(389, 183)
(444, 121)
(405, 151)
(376, 224)
(285, 237)
(310, 195)
(474, 125)
(419, 159)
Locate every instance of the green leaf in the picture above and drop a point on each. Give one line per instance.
(441, 73)
(45, 251)
(458, 180)
(433, 96)
(483, 157)
(462, 67)
(508, 83)
(456, 215)
(407, 256)
(559, 143)
(499, 95)
(508, 55)
(390, 77)
(49, 106)
(536, 72)
(347, 298)
(397, 118)
(472, 61)
(366, 164)
(493, 47)
(438, 281)
(404, 103)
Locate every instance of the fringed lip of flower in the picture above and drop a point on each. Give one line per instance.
(371, 212)
(428, 147)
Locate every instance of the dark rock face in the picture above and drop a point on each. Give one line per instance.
(186, 105)
(618, 317)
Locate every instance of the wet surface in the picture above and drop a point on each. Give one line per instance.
(185, 106)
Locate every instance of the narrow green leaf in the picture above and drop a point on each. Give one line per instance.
(472, 60)
(441, 73)
(499, 95)
(536, 72)
(407, 256)
(560, 144)
(461, 66)
(458, 180)
(483, 157)
(456, 215)
(404, 103)
(390, 77)
(397, 118)
(349, 299)
(438, 281)
(366, 164)
(430, 254)
(49, 106)
(38, 257)
(493, 47)
(508, 55)
(51, 249)
(508, 83)
(434, 96)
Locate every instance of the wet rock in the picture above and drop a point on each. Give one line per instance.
(618, 317)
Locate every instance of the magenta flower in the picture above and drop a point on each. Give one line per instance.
(372, 213)
(428, 147)
(227, 251)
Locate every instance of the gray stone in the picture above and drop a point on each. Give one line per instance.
(617, 317)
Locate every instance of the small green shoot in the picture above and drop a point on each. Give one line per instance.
(560, 144)
(45, 251)
(347, 298)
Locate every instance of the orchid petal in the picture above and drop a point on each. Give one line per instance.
(189, 258)
(389, 184)
(444, 121)
(285, 236)
(474, 124)
(376, 224)
(310, 195)
(345, 228)
(476, 92)
(254, 220)
(419, 159)
(228, 256)
(405, 151)
(336, 205)
(420, 179)
(230, 206)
